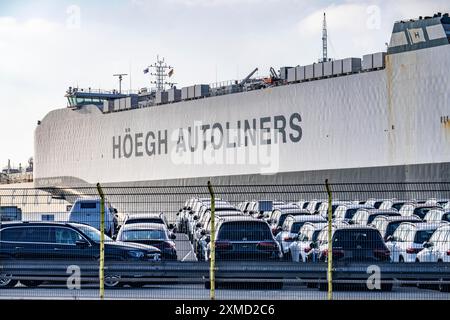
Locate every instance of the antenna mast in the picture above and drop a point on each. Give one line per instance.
(160, 68)
(120, 76)
(324, 39)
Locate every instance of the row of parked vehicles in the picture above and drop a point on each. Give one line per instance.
(136, 237)
(373, 230)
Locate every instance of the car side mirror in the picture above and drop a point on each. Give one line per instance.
(427, 244)
(203, 232)
(391, 238)
(351, 222)
(208, 239)
(181, 210)
(171, 226)
(82, 243)
(198, 225)
(195, 218)
(173, 236)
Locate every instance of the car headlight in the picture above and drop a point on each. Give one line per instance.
(136, 254)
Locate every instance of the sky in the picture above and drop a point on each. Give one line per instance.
(48, 45)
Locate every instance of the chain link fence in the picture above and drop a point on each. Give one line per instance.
(385, 241)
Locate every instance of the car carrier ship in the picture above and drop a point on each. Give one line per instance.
(384, 117)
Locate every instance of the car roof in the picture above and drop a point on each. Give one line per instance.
(36, 223)
(424, 225)
(144, 226)
(399, 218)
(240, 218)
(144, 215)
(354, 227)
(356, 206)
(293, 210)
(382, 211)
(308, 218)
(316, 225)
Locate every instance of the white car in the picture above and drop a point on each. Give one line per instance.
(407, 241)
(291, 227)
(437, 215)
(437, 249)
(308, 234)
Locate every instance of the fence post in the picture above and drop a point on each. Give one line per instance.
(330, 244)
(102, 241)
(212, 243)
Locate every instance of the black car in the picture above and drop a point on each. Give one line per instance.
(154, 234)
(356, 244)
(53, 241)
(245, 238)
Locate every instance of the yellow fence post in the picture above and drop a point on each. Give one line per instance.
(102, 241)
(212, 264)
(330, 244)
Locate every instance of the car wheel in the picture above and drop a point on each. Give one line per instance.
(31, 283)
(6, 281)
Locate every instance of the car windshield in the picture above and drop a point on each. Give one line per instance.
(92, 233)
(423, 236)
(244, 231)
(296, 227)
(131, 235)
(144, 220)
(350, 213)
(391, 228)
(398, 206)
(357, 239)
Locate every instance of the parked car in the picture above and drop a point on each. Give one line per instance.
(347, 211)
(375, 203)
(290, 230)
(437, 248)
(388, 224)
(138, 218)
(200, 211)
(323, 209)
(204, 230)
(314, 205)
(71, 242)
(154, 234)
(393, 203)
(245, 238)
(354, 244)
(87, 211)
(437, 215)
(365, 217)
(279, 215)
(407, 241)
(307, 235)
(417, 209)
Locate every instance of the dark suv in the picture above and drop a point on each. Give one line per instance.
(55, 241)
(245, 238)
(355, 244)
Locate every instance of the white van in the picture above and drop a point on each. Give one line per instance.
(87, 211)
